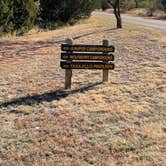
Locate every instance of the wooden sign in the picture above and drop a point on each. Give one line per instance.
(87, 56)
(87, 48)
(87, 65)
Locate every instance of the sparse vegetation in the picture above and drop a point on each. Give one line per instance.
(121, 122)
(19, 16)
(126, 5)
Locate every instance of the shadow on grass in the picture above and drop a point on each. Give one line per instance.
(45, 43)
(23, 49)
(86, 34)
(48, 97)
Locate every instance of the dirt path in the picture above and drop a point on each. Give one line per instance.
(157, 24)
(121, 122)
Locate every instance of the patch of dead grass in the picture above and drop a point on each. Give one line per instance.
(121, 122)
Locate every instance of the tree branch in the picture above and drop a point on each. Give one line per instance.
(111, 3)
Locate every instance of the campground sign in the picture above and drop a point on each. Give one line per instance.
(87, 48)
(86, 57)
(87, 65)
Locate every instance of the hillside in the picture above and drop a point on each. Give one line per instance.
(121, 122)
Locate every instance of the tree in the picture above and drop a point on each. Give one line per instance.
(104, 5)
(17, 15)
(116, 6)
(66, 11)
(24, 14)
(163, 2)
(6, 16)
(136, 3)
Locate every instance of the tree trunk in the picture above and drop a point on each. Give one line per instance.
(117, 14)
(136, 3)
(116, 7)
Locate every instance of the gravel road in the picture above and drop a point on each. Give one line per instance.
(159, 24)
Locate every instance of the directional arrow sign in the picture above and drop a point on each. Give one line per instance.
(86, 56)
(87, 65)
(87, 48)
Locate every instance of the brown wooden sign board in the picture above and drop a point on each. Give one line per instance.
(86, 56)
(87, 65)
(87, 48)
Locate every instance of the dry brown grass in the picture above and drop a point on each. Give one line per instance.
(121, 122)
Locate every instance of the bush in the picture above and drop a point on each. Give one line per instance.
(150, 5)
(127, 5)
(104, 5)
(66, 11)
(17, 15)
(163, 2)
(6, 16)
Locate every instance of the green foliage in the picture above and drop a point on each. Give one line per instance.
(66, 11)
(127, 5)
(163, 2)
(17, 15)
(104, 5)
(24, 12)
(6, 16)
(150, 5)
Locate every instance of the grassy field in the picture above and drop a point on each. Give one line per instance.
(122, 122)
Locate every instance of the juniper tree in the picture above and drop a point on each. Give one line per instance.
(17, 15)
(66, 10)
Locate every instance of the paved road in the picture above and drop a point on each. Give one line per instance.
(159, 24)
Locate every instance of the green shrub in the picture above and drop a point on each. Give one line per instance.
(66, 11)
(163, 2)
(127, 5)
(17, 15)
(6, 16)
(24, 12)
(150, 5)
(104, 5)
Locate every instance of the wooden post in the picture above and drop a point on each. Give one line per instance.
(68, 72)
(105, 71)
